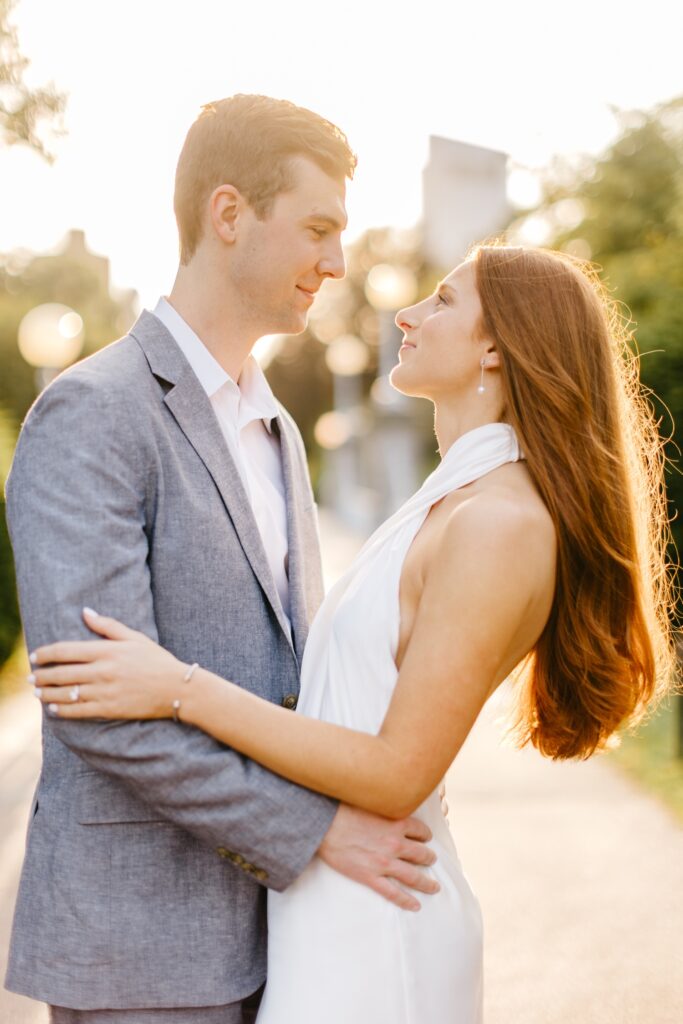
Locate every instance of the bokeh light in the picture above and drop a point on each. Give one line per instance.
(51, 335)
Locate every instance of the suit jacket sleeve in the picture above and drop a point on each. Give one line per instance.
(77, 502)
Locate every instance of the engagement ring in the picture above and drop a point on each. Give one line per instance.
(75, 693)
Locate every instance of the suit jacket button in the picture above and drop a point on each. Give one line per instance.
(289, 701)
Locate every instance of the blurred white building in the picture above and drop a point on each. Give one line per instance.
(74, 249)
(464, 199)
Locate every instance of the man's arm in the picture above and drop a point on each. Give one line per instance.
(76, 501)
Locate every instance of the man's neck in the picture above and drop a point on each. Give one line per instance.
(215, 321)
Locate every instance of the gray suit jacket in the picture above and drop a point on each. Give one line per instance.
(149, 843)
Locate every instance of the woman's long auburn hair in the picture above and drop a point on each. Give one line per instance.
(572, 393)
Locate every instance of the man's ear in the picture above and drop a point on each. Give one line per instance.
(226, 206)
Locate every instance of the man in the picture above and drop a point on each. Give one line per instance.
(160, 482)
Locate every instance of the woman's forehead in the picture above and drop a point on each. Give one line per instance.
(461, 276)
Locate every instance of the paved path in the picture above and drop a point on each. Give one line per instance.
(579, 873)
(580, 878)
(19, 768)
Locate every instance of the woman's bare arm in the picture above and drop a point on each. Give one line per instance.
(480, 598)
(477, 593)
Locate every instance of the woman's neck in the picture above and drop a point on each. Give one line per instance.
(451, 421)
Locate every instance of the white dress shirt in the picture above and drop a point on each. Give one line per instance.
(244, 410)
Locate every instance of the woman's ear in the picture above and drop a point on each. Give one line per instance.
(225, 207)
(491, 356)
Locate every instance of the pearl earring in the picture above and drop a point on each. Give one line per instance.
(481, 389)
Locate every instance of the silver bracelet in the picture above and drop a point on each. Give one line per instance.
(186, 678)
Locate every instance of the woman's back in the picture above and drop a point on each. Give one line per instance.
(507, 490)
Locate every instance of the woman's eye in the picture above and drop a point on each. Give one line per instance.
(440, 298)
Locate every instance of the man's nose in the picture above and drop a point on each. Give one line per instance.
(333, 263)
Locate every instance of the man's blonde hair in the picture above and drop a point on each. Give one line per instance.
(249, 142)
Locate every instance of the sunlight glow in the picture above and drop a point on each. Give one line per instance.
(114, 165)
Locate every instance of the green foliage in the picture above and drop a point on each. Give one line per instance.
(625, 212)
(651, 756)
(28, 282)
(10, 624)
(8, 436)
(25, 283)
(300, 379)
(22, 110)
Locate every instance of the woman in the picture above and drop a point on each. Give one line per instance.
(537, 542)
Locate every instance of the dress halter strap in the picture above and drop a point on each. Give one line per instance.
(472, 456)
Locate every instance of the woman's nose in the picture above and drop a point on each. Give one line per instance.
(405, 318)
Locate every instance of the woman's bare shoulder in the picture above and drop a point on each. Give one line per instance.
(507, 516)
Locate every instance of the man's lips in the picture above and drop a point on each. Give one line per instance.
(308, 292)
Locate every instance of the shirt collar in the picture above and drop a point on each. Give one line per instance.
(251, 399)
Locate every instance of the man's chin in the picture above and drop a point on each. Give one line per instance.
(295, 323)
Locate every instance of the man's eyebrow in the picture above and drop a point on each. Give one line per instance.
(325, 218)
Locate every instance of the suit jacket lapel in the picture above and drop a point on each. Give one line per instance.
(189, 404)
(296, 573)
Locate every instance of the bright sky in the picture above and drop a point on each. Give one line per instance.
(529, 77)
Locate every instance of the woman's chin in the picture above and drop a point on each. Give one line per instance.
(399, 378)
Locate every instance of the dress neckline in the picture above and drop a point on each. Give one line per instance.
(478, 436)
(471, 456)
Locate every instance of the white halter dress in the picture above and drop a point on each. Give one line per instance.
(338, 953)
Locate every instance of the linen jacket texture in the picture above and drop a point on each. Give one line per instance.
(150, 845)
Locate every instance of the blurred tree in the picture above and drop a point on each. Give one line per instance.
(9, 610)
(73, 277)
(299, 377)
(22, 110)
(298, 372)
(79, 280)
(624, 210)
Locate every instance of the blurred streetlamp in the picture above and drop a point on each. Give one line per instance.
(389, 288)
(332, 430)
(50, 338)
(346, 357)
(339, 431)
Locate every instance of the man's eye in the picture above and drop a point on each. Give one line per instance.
(319, 232)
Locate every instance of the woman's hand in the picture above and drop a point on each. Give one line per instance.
(125, 675)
